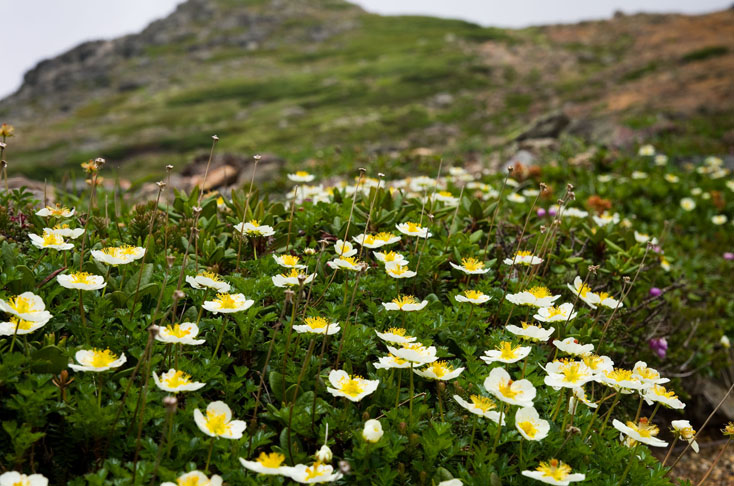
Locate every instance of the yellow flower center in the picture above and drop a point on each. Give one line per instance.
(404, 300)
(191, 481)
(177, 331)
(384, 236)
(523, 253)
(272, 460)
(507, 350)
(572, 373)
(445, 194)
(255, 223)
(506, 389)
(226, 301)
(100, 359)
(583, 290)
(390, 256)
(350, 260)
(290, 260)
(302, 173)
(473, 294)
(21, 324)
(554, 469)
(554, 311)
(352, 386)
(644, 428)
(369, 240)
(61, 226)
(52, 239)
(216, 422)
(483, 403)
(687, 433)
(398, 270)
(619, 374)
(603, 296)
(539, 292)
(440, 368)
(648, 373)
(414, 227)
(177, 379)
(316, 322)
(472, 264)
(81, 278)
(57, 211)
(397, 360)
(21, 305)
(592, 361)
(398, 331)
(210, 275)
(313, 471)
(662, 392)
(528, 427)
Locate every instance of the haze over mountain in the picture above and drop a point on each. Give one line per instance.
(293, 78)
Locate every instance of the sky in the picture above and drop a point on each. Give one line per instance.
(33, 30)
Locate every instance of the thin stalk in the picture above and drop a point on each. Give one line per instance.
(245, 209)
(499, 429)
(713, 464)
(629, 464)
(672, 446)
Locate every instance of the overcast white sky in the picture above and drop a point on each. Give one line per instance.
(32, 30)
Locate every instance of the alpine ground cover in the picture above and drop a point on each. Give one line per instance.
(449, 328)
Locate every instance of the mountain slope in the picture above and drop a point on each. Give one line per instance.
(275, 76)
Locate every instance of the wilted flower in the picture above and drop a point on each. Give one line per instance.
(218, 422)
(183, 333)
(643, 431)
(683, 429)
(97, 360)
(208, 280)
(372, 431)
(228, 303)
(530, 425)
(554, 472)
(81, 281)
(176, 381)
(352, 388)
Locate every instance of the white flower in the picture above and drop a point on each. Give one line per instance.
(315, 473)
(228, 303)
(347, 263)
(719, 219)
(451, 482)
(499, 384)
(644, 238)
(571, 346)
(554, 472)
(14, 478)
(646, 150)
(344, 249)
(641, 432)
(579, 396)
(324, 454)
(638, 175)
(208, 280)
(725, 341)
(603, 178)
(372, 431)
(621, 380)
(390, 257)
(352, 388)
(267, 464)
(672, 178)
(439, 370)
(515, 197)
(605, 300)
(97, 360)
(598, 364)
(647, 375)
(23, 327)
(473, 296)
(120, 255)
(470, 266)
(506, 353)
(688, 204)
(183, 333)
(523, 258)
(445, 197)
(416, 353)
(81, 281)
(405, 303)
(482, 406)
(195, 478)
(253, 228)
(301, 176)
(397, 270)
(26, 306)
(376, 241)
(567, 374)
(176, 381)
(317, 325)
(530, 332)
(413, 229)
(65, 232)
(218, 422)
(395, 335)
(292, 279)
(683, 429)
(606, 219)
(661, 160)
(50, 240)
(390, 361)
(584, 292)
(563, 312)
(57, 212)
(536, 297)
(530, 425)
(574, 213)
(658, 394)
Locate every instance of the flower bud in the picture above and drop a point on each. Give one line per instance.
(725, 341)
(324, 454)
(372, 431)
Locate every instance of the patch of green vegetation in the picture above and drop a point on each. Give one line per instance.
(704, 53)
(640, 72)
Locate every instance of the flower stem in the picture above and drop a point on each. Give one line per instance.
(219, 340)
(209, 455)
(609, 414)
(629, 464)
(499, 429)
(410, 405)
(672, 446)
(713, 464)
